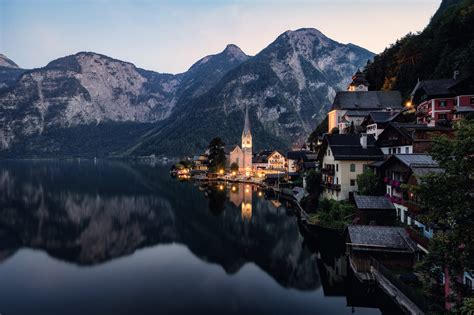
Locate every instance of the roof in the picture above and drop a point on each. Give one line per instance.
(383, 117)
(414, 160)
(423, 171)
(373, 202)
(359, 78)
(388, 237)
(296, 155)
(230, 148)
(348, 147)
(435, 87)
(407, 130)
(368, 100)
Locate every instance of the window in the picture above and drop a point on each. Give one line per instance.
(399, 150)
(469, 283)
(442, 116)
(353, 182)
(407, 150)
(353, 167)
(337, 167)
(455, 102)
(442, 103)
(472, 100)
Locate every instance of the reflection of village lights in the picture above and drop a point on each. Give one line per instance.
(221, 187)
(247, 190)
(246, 211)
(234, 188)
(260, 194)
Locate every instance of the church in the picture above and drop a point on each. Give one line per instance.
(242, 156)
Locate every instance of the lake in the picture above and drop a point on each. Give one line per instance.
(84, 237)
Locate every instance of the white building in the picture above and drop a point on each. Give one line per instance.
(343, 157)
(243, 156)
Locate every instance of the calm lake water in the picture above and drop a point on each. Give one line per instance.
(117, 238)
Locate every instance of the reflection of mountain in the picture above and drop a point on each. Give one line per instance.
(89, 213)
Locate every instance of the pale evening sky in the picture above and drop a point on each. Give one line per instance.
(169, 36)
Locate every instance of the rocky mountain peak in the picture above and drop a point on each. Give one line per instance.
(235, 51)
(6, 62)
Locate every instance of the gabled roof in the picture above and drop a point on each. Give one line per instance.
(367, 100)
(373, 202)
(296, 155)
(411, 160)
(277, 151)
(408, 130)
(420, 164)
(383, 117)
(435, 87)
(381, 237)
(348, 147)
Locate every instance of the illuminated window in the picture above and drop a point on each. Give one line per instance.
(353, 167)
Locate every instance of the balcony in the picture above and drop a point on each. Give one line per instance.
(328, 171)
(414, 207)
(332, 186)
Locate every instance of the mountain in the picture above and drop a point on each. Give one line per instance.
(444, 46)
(89, 104)
(109, 101)
(9, 72)
(288, 87)
(6, 62)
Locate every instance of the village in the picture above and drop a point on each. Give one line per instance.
(370, 156)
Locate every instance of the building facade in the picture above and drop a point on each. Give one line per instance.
(342, 158)
(242, 156)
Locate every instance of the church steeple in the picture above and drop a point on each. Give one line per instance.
(246, 133)
(246, 130)
(359, 83)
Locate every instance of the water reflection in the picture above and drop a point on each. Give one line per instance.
(175, 239)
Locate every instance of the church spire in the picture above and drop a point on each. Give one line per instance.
(246, 130)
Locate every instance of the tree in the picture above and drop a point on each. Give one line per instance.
(368, 183)
(216, 154)
(234, 167)
(449, 203)
(313, 182)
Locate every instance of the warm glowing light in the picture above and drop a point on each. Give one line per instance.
(247, 190)
(234, 188)
(246, 211)
(408, 104)
(260, 194)
(234, 173)
(221, 171)
(221, 187)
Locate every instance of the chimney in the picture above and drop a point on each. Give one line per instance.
(363, 140)
(456, 74)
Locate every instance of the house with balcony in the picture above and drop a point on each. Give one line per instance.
(406, 170)
(342, 158)
(405, 138)
(440, 100)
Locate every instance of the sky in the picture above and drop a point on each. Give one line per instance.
(169, 36)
